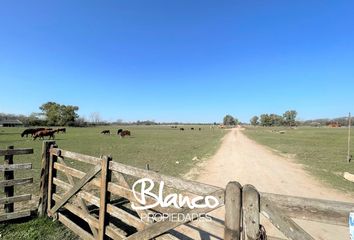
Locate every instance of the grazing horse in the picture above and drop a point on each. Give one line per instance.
(31, 131)
(124, 133)
(182, 129)
(63, 130)
(119, 131)
(106, 132)
(43, 133)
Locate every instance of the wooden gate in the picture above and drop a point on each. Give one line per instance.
(100, 194)
(9, 182)
(93, 196)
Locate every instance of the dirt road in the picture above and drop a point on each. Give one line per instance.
(243, 160)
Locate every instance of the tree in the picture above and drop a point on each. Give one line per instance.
(51, 111)
(254, 121)
(289, 118)
(56, 114)
(68, 115)
(230, 120)
(265, 120)
(276, 120)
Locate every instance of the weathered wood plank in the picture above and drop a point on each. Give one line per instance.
(15, 215)
(331, 212)
(17, 151)
(83, 194)
(80, 200)
(233, 196)
(183, 185)
(91, 220)
(112, 210)
(75, 228)
(211, 227)
(51, 187)
(43, 193)
(9, 176)
(123, 182)
(19, 198)
(163, 226)
(125, 217)
(17, 166)
(112, 187)
(104, 197)
(250, 207)
(282, 222)
(77, 156)
(128, 194)
(90, 174)
(156, 229)
(75, 173)
(13, 182)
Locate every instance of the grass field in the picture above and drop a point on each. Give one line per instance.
(323, 151)
(167, 150)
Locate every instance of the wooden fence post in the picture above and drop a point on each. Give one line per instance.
(52, 173)
(232, 211)
(105, 196)
(9, 175)
(250, 210)
(43, 194)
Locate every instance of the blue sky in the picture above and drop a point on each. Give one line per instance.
(191, 61)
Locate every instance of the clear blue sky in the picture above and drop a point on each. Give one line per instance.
(192, 61)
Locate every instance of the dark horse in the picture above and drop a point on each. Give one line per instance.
(43, 133)
(63, 130)
(124, 133)
(106, 132)
(31, 131)
(119, 131)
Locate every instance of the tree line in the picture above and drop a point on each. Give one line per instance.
(288, 118)
(52, 114)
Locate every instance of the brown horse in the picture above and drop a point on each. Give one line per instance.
(124, 133)
(43, 133)
(31, 131)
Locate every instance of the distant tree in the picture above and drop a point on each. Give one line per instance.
(230, 120)
(254, 121)
(265, 120)
(56, 114)
(51, 111)
(289, 118)
(67, 114)
(276, 120)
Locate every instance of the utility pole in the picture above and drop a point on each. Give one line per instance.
(349, 157)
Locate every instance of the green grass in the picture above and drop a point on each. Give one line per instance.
(38, 228)
(159, 146)
(322, 151)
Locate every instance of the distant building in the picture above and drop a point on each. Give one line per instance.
(11, 123)
(334, 124)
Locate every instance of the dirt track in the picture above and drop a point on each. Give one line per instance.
(243, 160)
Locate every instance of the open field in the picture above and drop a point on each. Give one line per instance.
(322, 151)
(159, 146)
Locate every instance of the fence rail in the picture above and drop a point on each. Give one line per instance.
(101, 196)
(10, 182)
